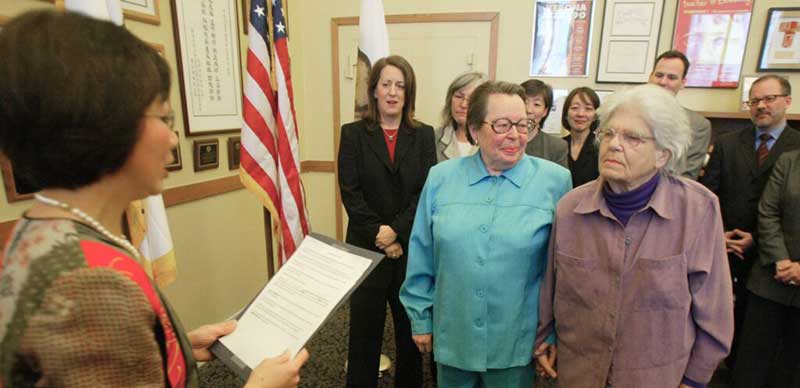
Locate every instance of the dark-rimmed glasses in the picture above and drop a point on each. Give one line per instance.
(768, 99)
(502, 126)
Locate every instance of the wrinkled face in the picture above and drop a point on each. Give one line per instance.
(628, 153)
(580, 114)
(536, 109)
(390, 92)
(459, 103)
(145, 168)
(768, 115)
(500, 152)
(668, 74)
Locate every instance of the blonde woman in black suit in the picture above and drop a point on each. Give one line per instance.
(383, 163)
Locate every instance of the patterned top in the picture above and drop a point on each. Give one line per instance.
(76, 311)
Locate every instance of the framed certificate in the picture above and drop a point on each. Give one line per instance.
(209, 65)
(141, 10)
(780, 49)
(713, 37)
(561, 38)
(629, 39)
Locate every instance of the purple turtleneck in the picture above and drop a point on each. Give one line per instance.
(623, 205)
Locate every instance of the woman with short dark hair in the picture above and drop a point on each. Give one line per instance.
(383, 162)
(579, 117)
(85, 118)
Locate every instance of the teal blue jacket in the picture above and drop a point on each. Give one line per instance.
(477, 253)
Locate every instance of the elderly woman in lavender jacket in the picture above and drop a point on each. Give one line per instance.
(646, 300)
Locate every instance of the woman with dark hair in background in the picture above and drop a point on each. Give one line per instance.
(383, 163)
(579, 117)
(542, 145)
(451, 138)
(85, 117)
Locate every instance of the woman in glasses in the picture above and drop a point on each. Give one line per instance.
(637, 287)
(478, 248)
(451, 138)
(86, 118)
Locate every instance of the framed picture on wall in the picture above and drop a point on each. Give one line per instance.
(561, 38)
(780, 49)
(176, 156)
(713, 37)
(629, 40)
(209, 69)
(141, 10)
(16, 188)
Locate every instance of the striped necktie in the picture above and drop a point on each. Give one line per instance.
(763, 151)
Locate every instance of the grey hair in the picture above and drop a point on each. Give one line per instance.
(458, 83)
(663, 114)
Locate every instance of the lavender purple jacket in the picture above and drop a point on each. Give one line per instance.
(641, 305)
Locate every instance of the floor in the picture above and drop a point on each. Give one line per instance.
(325, 368)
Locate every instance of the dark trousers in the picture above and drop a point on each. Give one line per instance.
(367, 316)
(740, 272)
(769, 348)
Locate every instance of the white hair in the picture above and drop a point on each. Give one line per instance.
(661, 111)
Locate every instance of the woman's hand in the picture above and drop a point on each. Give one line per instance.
(386, 236)
(394, 251)
(202, 337)
(278, 372)
(424, 342)
(546, 355)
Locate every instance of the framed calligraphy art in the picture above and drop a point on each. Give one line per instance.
(209, 65)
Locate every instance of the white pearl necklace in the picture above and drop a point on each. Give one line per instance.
(120, 240)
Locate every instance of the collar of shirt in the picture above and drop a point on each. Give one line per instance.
(660, 202)
(775, 133)
(477, 170)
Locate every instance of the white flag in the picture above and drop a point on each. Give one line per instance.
(147, 219)
(373, 44)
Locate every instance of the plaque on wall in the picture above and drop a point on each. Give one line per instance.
(17, 189)
(234, 151)
(206, 154)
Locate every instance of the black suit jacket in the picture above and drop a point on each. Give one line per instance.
(733, 174)
(377, 192)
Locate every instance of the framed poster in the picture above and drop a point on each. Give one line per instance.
(713, 37)
(561, 38)
(141, 10)
(780, 49)
(629, 40)
(209, 69)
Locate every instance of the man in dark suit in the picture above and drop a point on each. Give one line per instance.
(769, 350)
(738, 171)
(669, 72)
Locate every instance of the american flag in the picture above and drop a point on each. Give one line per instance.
(269, 153)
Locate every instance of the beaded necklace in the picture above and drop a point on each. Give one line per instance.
(120, 240)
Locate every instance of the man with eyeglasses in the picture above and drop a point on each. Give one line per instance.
(737, 172)
(670, 72)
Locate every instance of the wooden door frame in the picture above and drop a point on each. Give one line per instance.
(492, 17)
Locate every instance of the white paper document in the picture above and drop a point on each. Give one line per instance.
(296, 301)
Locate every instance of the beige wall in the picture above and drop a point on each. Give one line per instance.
(218, 240)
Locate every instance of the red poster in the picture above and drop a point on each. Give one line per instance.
(713, 35)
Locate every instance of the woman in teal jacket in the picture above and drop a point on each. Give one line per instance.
(478, 248)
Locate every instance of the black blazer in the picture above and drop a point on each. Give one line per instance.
(733, 174)
(377, 192)
(585, 168)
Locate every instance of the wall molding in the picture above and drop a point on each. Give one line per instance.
(492, 17)
(317, 166)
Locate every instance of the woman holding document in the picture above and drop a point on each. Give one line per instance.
(383, 162)
(86, 118)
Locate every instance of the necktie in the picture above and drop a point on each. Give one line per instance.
(762, 152)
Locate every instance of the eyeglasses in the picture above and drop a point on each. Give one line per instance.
(168, 119)
(769, 99)
(502, 126)
(628, 139)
